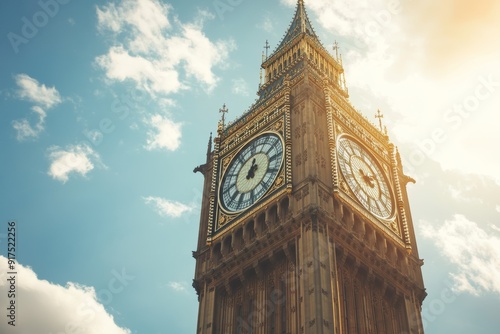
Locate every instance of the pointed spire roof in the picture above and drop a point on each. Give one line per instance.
(300, 25)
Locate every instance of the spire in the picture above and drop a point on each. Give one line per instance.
(263, 59)
(300, 25)
(209, 148)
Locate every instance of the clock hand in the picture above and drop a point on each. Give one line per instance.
(367, 178)
(251, 171)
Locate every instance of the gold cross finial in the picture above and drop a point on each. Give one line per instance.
(223, 110)
(379, 115)
(267, 47)
(336, 49)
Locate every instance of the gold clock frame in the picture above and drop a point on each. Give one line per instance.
(232, 156)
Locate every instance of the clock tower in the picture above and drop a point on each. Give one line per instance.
(305, 222)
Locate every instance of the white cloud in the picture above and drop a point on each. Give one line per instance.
(167, 208)
(177, 286)
(79, 159)
(148, 74)
(497, 208)
(44, 307)
(147, 19)
(474, 252)
(44, 98)
(24, 128)
(461, 194)
(165, 134)
(30, 89)
(267, 24)
(154, 52)
(240, 87)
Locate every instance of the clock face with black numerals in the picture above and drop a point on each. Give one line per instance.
(364, 177)
(251, 172)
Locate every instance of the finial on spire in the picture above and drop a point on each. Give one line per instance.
(302, 9)
(336, 49)
(379, 115)
(223, 111)
(209, 148)
(267, 47)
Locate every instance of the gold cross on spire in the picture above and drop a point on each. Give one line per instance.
(379, 115)
(223, 110)
(336, 49)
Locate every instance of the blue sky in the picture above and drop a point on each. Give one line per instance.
(107, 106)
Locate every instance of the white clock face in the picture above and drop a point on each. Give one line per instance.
(364, 177)
(251, 172)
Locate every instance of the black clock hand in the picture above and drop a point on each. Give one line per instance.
(251, 171)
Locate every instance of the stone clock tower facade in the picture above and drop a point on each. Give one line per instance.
(305, 223)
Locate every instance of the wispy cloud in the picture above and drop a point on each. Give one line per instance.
(267, 24)
(163, 134)
(460, 194)
(178, 286)
(29, 89)
(494, 227)
(474, 252)
(25, 130)
(71, 306)
(240, 87)
(167, 208)
(75, 159)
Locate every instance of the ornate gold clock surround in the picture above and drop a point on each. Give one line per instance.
(273, 117)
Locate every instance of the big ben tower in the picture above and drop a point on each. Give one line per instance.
(305, 223)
